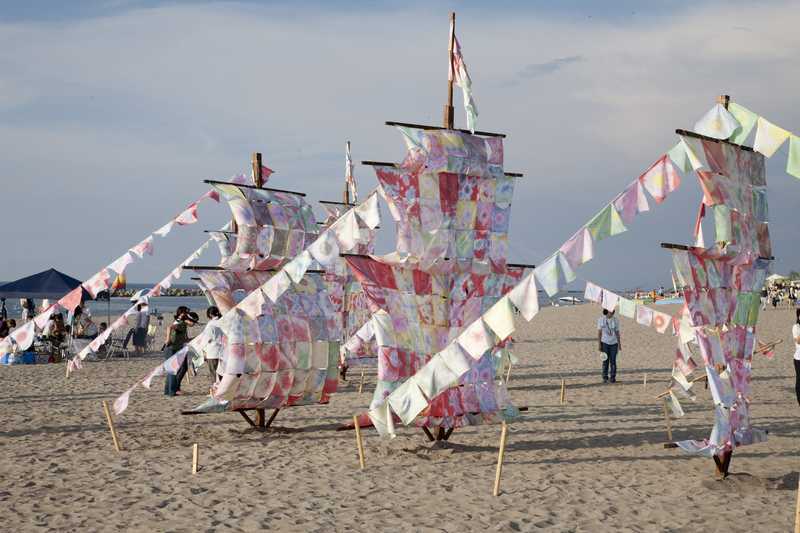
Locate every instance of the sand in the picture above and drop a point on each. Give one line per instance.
(594, 464)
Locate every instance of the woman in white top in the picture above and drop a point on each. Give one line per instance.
(212, 350)
(796, 338)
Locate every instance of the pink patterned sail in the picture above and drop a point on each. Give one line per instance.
(451, 203)
(721, 287)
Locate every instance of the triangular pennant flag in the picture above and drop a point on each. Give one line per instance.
(368, 211)
(475, 339)
(679, 157)
(121, 263)
(610, 300)
(97, 283)
(121, 403)
(769, 137)
(593, 293)
(525, 297)
(407, 401)
(793, 163)
(547, 275)
(579, 249)
(644, 315)
(144, 247)
(72, 299)
(745, 118)
(606, 223)
(296, 268)
(500, 317)
(717, 123)
(631, 202)
(661, 179)
(165, 229)
(189, 215)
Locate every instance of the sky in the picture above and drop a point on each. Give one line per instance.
(113, 112)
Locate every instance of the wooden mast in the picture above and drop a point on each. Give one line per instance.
(448, 108)
(258, 177)
(724, 99)
(347, 171)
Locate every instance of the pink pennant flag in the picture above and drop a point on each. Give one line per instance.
(144, 247)
(266, 172)
(23, 337)
(631, 202)
(661, 179)
(212, 194)
(72, 299)
(644, 315)
(189, 215)
(97, 283)
(661, 321)
(121, 263)
(253, 304)
(579, 249)
(42, 318)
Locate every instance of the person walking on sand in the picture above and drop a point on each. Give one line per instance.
(796, 338)
(610, 344)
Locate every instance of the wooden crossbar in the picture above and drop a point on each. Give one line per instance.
(217, 182)
(388, 164)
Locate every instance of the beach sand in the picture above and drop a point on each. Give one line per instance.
(595, 464)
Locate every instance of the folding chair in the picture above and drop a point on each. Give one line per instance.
(118, 347)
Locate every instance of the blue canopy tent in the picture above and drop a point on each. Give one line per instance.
(50, 284)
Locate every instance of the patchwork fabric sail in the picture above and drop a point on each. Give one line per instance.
(722, 286)
(272, 226)
(287, 355)
(451, 202)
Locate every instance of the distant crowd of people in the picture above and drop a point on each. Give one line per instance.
(780, 295)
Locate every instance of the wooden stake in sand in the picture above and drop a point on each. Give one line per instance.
(361, 384)
(667, 421)
(359, 443)
(563, 397)
(503, 434)
(797, 510)
(195, 457)
(508, 372)
(644, 384)
(111, 426)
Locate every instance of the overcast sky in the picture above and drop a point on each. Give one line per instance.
(113, 112)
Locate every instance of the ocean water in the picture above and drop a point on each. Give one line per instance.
(117, 306)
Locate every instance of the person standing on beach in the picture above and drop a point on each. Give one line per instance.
(177, 337)
(140, 333)
(213, 348)
(610, 343)
(3, 310)
(796, 338)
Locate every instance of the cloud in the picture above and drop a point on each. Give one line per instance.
(110, 123)
(535, 70)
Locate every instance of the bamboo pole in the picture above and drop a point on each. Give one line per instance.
(448, 108)
(195, 457)
(667, 421)
(797, 510)
(500, 455)
(111, 427)
(361, 384)
(359, 442)
(563, 396)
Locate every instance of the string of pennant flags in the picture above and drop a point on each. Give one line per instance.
(22, 337)
(122, 320)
